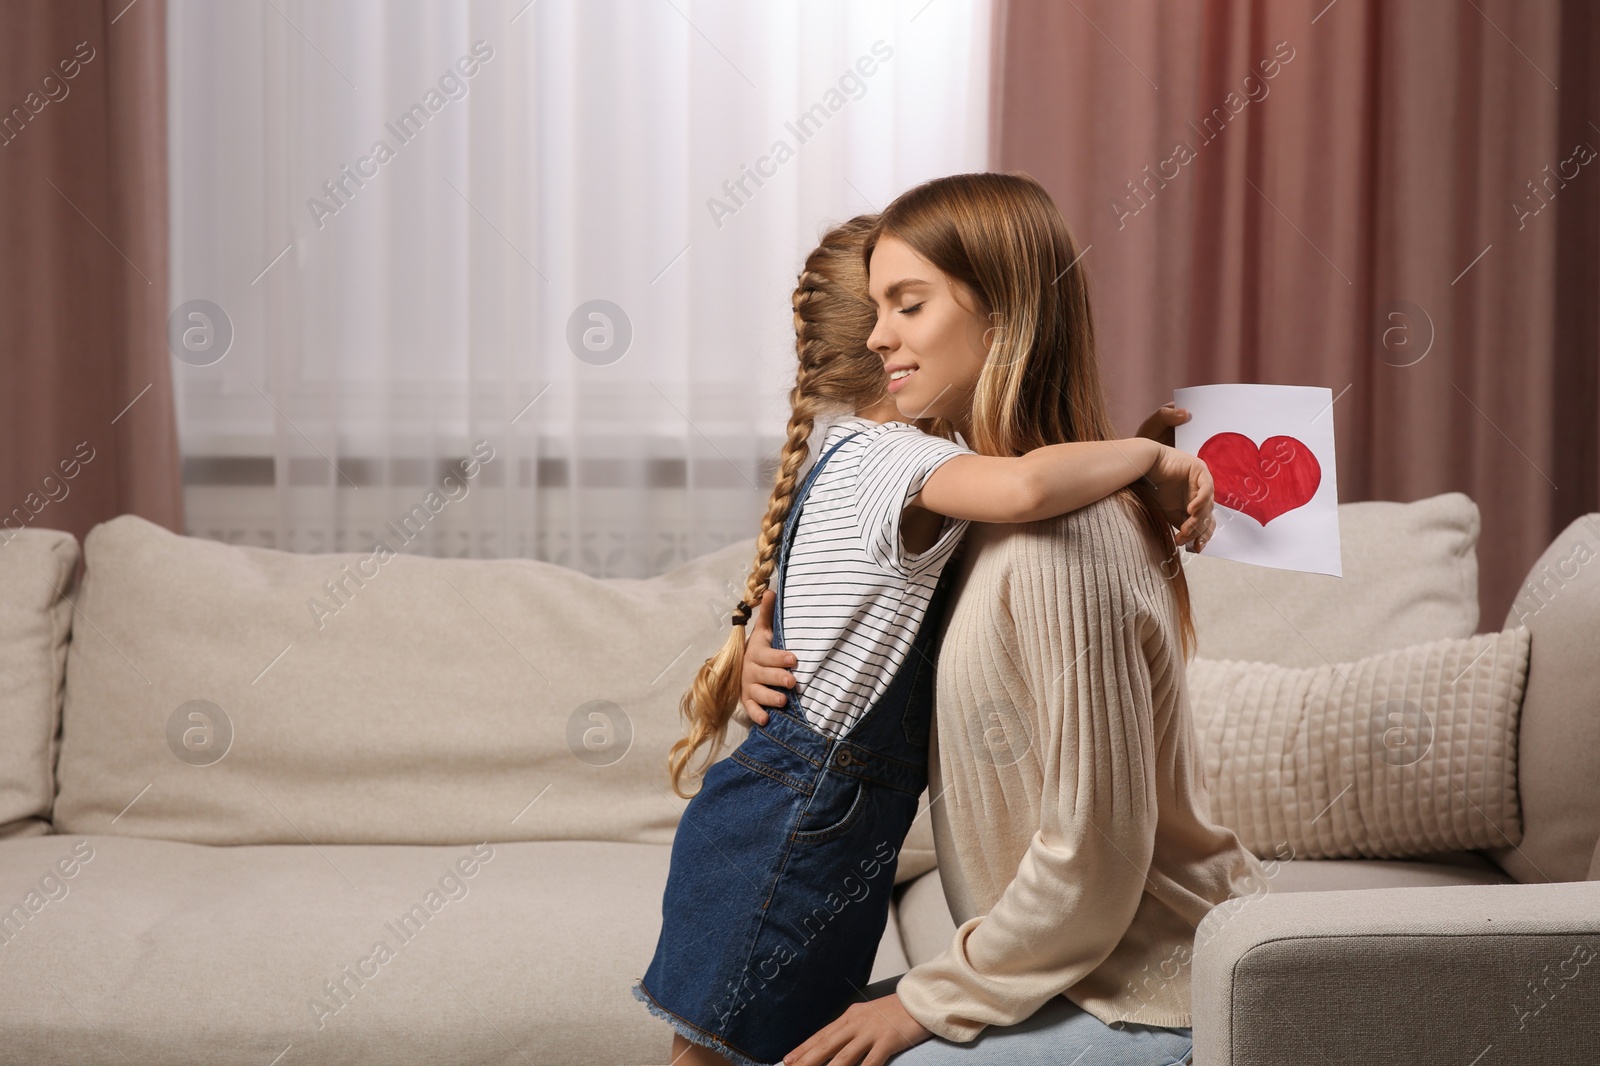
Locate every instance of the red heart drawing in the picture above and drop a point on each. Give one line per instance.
(1261, 482)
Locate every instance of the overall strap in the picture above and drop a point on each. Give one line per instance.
(789, 526)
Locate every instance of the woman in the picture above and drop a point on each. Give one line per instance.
(1077, 853)
(810, 802)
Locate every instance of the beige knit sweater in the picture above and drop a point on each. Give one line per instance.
(1069, 806)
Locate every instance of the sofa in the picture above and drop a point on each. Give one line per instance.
(240, 786)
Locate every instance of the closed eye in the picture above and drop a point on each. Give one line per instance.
(910, 310)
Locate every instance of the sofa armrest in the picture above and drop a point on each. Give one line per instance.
(1401, 975)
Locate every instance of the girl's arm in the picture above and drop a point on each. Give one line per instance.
(1058, 478)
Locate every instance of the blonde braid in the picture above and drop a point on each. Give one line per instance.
(714, 695)
(833, 320)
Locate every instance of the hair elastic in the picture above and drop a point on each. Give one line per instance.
(741, 613)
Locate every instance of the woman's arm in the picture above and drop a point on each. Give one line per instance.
(1059, 478)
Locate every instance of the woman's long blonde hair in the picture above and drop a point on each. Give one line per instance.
(833, 317)
(1004, 239)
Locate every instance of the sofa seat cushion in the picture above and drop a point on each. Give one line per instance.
(166, 952)
(1446, 868)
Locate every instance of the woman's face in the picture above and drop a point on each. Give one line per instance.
(929, 334)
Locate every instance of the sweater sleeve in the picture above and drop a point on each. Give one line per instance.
(1075, 588)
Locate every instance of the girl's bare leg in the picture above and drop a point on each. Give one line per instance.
(688, 1053)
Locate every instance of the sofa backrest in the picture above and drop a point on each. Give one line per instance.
(219, 694)
(1558, 745)
(358, 699)
(1410, 576)
(36, 573)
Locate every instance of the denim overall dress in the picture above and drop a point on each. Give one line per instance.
(778, 889)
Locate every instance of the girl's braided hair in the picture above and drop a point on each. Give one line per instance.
(833, 317)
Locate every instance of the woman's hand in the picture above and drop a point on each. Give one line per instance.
(1159, 426)
(1185, 493)
(867, 1033)
(764, 666)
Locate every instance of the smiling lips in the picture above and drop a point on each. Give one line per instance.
(899, 373)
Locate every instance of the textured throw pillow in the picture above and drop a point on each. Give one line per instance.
(1410, 576)
(1559, 741)
(219, 694)
(36, 571)
(1406, 753)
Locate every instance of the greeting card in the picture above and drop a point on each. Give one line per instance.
(1270, 452)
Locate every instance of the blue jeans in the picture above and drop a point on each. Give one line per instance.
(1060, 1033)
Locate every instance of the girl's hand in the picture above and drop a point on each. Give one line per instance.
(764, 666)
(867, 1033)
(1185, 493)
(1158, 427)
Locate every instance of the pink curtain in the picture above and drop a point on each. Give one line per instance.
(86, 409)
(1398, 201)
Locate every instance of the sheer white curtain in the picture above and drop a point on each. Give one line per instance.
(408, 214)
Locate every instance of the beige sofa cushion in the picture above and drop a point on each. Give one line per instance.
(1560, 735)
(444, 700)
(1411, 752)
(252, 937)
(167, 949)
(926, 927)
(36, 572)
(917, 855)
(1410, 576)
(1435, 871)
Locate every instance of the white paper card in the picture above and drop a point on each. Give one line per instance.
(1270, 452)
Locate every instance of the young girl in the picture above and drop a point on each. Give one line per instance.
(781, 868)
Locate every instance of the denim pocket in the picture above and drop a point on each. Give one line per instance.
(837, 805)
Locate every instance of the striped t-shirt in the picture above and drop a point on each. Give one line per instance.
(853, 597)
